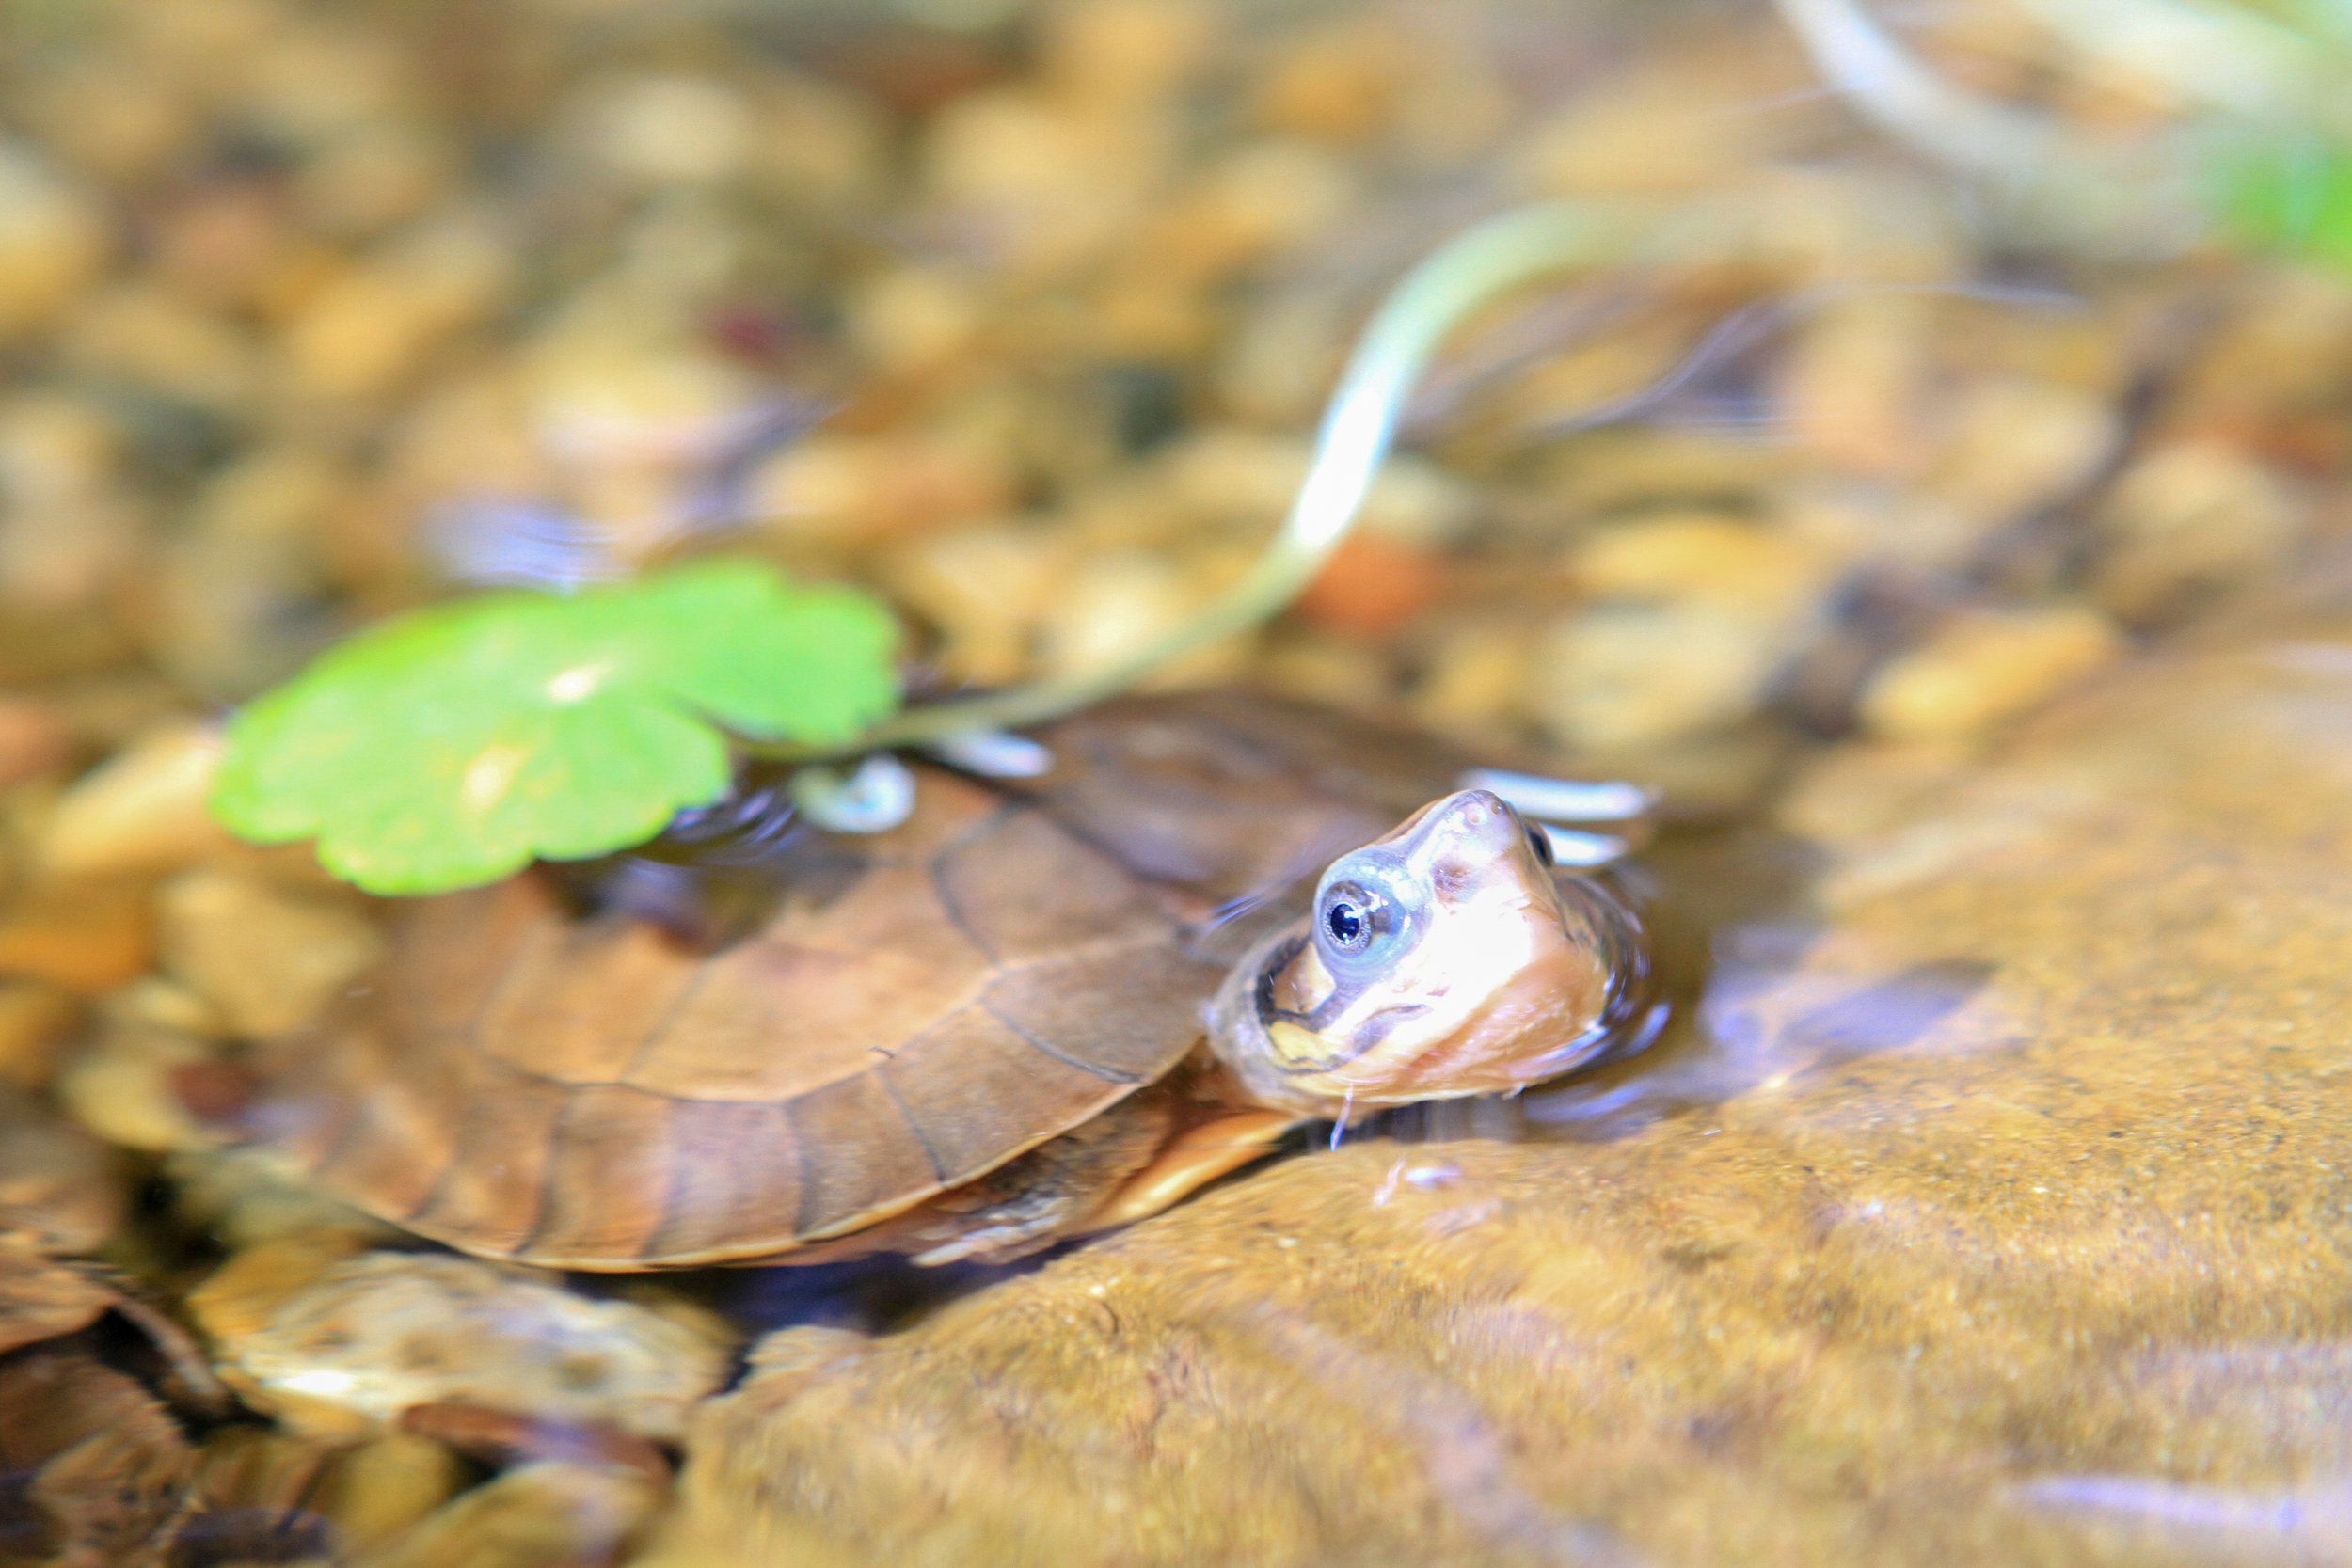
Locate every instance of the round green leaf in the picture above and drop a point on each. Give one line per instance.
(454, 745)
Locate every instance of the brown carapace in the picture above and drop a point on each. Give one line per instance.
(977, 1032)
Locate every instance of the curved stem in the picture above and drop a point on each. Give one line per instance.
(2227, 56)
(2133, 203)
(1890, 86)
(1356, 429)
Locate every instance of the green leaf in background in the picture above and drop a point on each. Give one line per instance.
(2328, 19)
(2289, 196)
(457, 744)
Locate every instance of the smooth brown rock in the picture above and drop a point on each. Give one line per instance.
(83, 938)
(95, 1467)
(268, 958)
(35, 1019)
(338, 1341)
(378, 1491)
(141, 811)
(546, 1515)
(1992, 1204)
(59, 1185)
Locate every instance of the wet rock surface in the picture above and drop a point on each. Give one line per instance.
(96, 1391)
(331, 1340)
(1994, 1203)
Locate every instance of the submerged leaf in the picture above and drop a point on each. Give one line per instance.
(458, 744)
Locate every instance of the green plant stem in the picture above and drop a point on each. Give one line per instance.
(1505, 251)
(1889, 87)
(2130, 203)
(2224, 56)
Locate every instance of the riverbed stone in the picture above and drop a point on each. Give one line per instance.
(98, 1390)
(1991, 1201)
(339, 1342)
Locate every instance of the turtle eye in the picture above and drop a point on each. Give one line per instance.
(1354, 916)
(1540, 842)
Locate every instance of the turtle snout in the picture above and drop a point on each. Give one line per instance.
(1472, 811)
(1471, 820)
(1473, 836)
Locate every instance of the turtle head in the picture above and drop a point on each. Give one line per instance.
(1444, 958)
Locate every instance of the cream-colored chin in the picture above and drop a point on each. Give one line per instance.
(1239, 1036)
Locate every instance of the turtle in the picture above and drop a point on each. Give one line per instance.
(1038, 1007)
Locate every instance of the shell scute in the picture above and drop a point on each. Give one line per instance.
(607, 1182)
(1124, 1010)
(733, 1188)
(490, 1188)
(775, 1017)
(987, 886)
(582, 1000)
(972, 1087)
(873, 1156)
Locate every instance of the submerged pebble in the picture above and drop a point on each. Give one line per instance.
(375, 1492)
(124, 1084)
(36, 1018)
(84, 937)
(240, 1199)
(267, 959)
(99, 1394)
(36, 740)
(61, 1189)
(545, 1515)
(337, 1340)
(1983, 667)
(54, 240)
(141, 811)
(2187, 522)
(1624, 675)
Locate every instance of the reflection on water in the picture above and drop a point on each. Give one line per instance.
(1732, 921)
(1755, 1026)
(2311, 1524)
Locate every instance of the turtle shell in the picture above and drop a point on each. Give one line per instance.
(521, 1081)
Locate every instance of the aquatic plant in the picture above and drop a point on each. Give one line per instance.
(453, 745)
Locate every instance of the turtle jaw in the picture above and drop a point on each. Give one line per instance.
(1482, 977)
